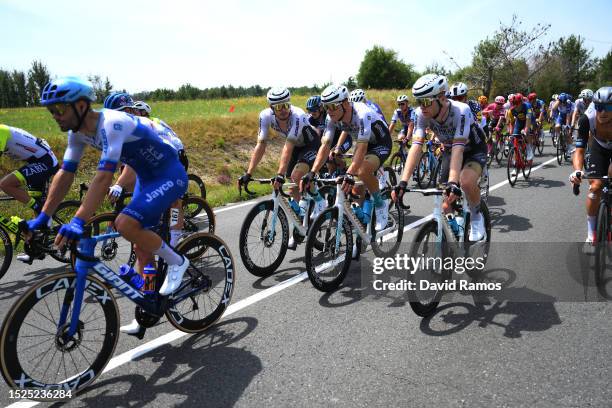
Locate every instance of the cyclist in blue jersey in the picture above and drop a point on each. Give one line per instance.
(538, 107)
(405, 115)
(562, 111)
(523, 119)
(122, 138)
(358, 95)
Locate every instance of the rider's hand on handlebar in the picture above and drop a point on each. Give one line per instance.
(244, 179)
(114, 193)
(399, 190)
(347, 183)
(278, 181)
(306, 180)
(453, 191)
(576, 177)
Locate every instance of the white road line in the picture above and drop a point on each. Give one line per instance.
(233, 308)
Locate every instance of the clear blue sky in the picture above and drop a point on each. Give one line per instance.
(146, 44)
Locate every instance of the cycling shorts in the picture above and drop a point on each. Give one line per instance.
(384, 143)
(37, 172)
(599, 161)
(305, 154)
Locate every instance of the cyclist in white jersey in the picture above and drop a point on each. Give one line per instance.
(405, 115)
(580, 106)
(371, 134)
(33, 176)
(452, 122)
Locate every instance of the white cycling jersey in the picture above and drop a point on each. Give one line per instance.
(20, 145)
(580, 106)
(454, 130)
(360, 125)
(299, 130)
(168, 134)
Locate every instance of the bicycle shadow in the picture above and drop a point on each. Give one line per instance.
(196, 372)
(10, 289)
(278, 276)
(525, 315)
(540, 182)
(501, 222)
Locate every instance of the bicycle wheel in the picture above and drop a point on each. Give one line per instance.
(560, 151)
(198, 215)
(499, 150)
(490, 152)
(387, 244)
(484, 184)
(195, 186)
(65, 211)
(540, 143)
(397, 164)
(207, 286)
(423, 176)
(327, 267)
(527, 164)
(261, 249)
(512, 166)
(114, 252)
(36, 354)
(553, 136)
(425, 300)
(603, 251)
(6, 250)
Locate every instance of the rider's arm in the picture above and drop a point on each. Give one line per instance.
(60, 186)
(127, 179)
(285, 157)
(416, 150)
(322, 155)
(581, 141)
(257, 155)
(341, 139)
(410, 130)
(358, 157)
(391, 127)
(96, 193)
(462, 133)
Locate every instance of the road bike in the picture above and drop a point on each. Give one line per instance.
(517, 159)
(562, 152)
(538, 140)
(428, 169)
(398, 159)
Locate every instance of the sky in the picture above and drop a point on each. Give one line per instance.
(149, 44)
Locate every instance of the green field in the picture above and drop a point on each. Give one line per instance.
(218, 142)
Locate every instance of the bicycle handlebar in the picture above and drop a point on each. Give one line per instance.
(582, 176)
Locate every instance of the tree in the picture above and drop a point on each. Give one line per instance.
(19, 88)
(381, 69)
(603, 72)
(101, 88)
(436, 68)
(350, 83)
(577, 64)
(38, 77)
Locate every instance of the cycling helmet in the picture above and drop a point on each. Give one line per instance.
(500, 99)
(429, 86)
(517, 99)
(483, 100)
(313, 103)
(402, 98)
(603, 95)
(563, 97)
(118, 101)
(334, 94)
(510, 98)
(586, 94)
(358, 95)
(555, 97)
(458, 89)
(532, 96)
(278, 95)
(67, 90)
(142, 105)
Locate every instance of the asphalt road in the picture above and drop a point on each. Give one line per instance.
(295, 346)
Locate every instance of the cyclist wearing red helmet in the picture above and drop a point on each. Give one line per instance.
(522, 117)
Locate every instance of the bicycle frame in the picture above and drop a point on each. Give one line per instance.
(519, 149)
(280, 200)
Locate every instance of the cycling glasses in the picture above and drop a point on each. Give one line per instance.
(333, 106)
(425, 102)
(58, 109)
(281, 106)
(402, 104)
(600, 107)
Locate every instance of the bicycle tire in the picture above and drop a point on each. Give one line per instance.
(499, 150)
(325, 226)
(248, 260)
(200, 274)
(65, 211)
(422, 171)
(512, 165)
(195, 186)
(379, 246)
(602, 248)
(397, 164)
(540, 143)
(560, 152)
(7, 252)
(13, 360)
(198, 215)
(527, 164)
(418, 306)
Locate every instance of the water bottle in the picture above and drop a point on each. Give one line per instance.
(303, 204)
(295, 206)
(129, 275)
(367, 210)
(460, 222)
(358, 211)
(149, 275)
(453, 223)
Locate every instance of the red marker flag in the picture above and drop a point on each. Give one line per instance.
(232, 108)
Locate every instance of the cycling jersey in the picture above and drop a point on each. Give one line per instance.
(561, 111)
(377, 108)
(475, 108)
(299, 132)
(494, 111)
(454, 130)
(318, 124)
(521, 117)
(20, 145)
(601, 150)
(580, 106)
(404, 119)
(167, 133)
(538, 107)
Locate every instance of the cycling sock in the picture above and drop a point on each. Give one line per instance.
(378, 201)
(168, 254)
(35, 205)
(475, 210)
(174, 236)
(591, 224)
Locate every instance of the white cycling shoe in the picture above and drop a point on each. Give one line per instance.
(477, 229)
(382, 217)
(132, 328)
(174, 277)
(529, 154)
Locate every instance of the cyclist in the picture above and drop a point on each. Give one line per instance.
(483, 102)
(496, 115)
(358, 95)
(142, 108)
(405, 115)
(522, 122)
(41, 165)
(317, 120)
(453, 122)
(562, 110)
(595, 123)
(539, 109)
(361, 122)
(121, 138)
(458, 92)
(580, 106)
(551, 117)
(299, 152)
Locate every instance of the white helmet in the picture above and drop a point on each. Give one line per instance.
(142, 105)
(278, 95)
(334, 94)
(586, 94)
(358, 95)
(458, 89)
(500, 99)
(429, 86)
(402, 98)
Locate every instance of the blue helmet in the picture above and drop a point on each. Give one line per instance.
(118, 101)
(313, 103)
(563, 97)
(67, 90)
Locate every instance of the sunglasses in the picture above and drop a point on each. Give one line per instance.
(401, 104)
(600, 107)
(333, 106)
(58, 109)
(425, 102)
(281, 106)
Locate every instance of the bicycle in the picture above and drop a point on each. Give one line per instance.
(538, 142)
(498, 146)
(75, 314)
(562, 144)
(517, 159)
(329, 244)
(428, 168)
(398, 160)
(264, 235)
(437, 239)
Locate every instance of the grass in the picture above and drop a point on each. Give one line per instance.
(219, 142)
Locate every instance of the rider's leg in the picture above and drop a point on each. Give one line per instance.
(177, 221)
